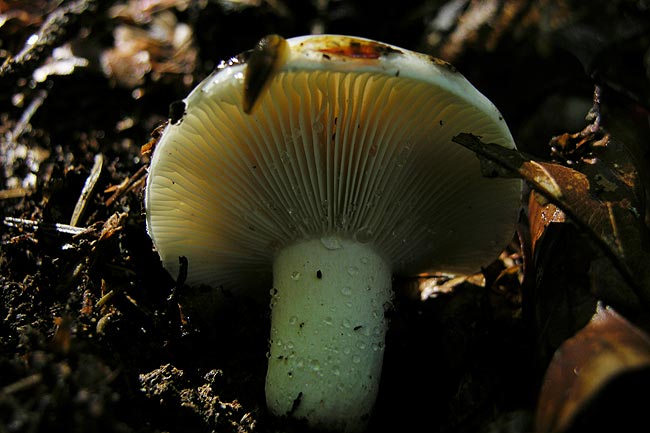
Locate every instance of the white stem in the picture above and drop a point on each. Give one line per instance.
(327, 332)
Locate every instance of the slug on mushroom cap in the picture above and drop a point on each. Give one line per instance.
(326, 163)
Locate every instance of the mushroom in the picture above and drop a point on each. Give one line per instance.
(325, 164)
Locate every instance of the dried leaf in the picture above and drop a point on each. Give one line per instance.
(165, 48)
(541, 213)
(561, 299)
(603, 350)
(600, 199)
(88, 188)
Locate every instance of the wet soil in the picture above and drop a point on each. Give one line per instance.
(97, 337)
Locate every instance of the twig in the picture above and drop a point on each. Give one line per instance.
(87, 190)
(22, 384)
(26, 117)
(54, 29)
(127, 185)
(14, 193)
(38, 225)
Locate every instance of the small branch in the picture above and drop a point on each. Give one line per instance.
(26, 117)
(14, 193)
(87, 190)
(127, 185)
(32, 225)
(54, 29)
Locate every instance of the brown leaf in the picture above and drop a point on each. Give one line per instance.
(541, 213)
(166, 49)
(599, 199)
(560, 299)
(603, 350)
(114, 224)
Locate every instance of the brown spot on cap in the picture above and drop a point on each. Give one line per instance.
(358, 48)
(444, 64)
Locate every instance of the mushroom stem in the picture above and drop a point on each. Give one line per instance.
(328, 329)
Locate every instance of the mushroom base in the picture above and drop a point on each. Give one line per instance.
(327, 332)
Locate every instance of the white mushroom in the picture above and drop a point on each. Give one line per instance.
(327, 162)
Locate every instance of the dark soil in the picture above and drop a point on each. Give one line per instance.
(96, 337)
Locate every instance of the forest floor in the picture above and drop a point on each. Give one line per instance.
(96, 337)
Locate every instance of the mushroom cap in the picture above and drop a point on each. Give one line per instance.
(345, 138)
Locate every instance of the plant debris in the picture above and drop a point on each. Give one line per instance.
(97, 337)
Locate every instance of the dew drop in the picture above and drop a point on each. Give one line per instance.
(327, 320)
(353, 270)
(293, 320)
(363, 235)
(295, 276)
(365, 260)
(331, 242)
(356, 359)
(347, 291)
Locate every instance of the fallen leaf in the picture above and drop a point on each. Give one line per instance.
(541, 213)
(601, 200)
(605, 349)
